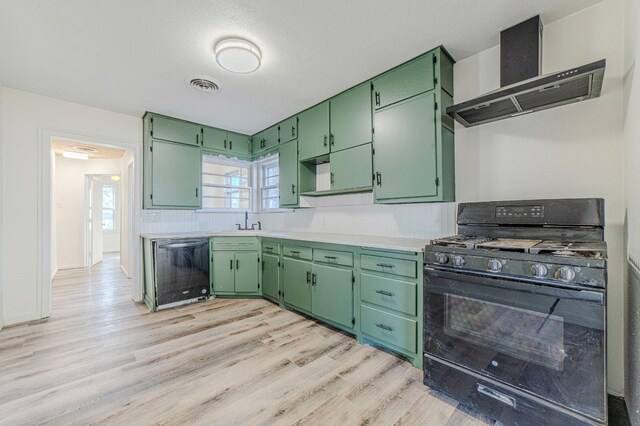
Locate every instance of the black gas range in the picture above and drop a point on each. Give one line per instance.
(515, 312)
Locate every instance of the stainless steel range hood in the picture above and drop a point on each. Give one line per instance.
(523, 90)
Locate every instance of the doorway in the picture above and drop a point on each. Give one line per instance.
(92, 189)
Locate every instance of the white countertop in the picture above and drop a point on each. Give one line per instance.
(389, 243)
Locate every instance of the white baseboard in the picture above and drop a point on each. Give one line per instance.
(21, 318)
(74, 266)
(54, 272)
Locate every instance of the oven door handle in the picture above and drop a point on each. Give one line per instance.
(434, 277)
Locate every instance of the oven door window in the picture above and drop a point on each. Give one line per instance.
(520, 333)
(543, 340)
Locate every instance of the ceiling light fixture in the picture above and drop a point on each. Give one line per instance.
(115, 178)
(75, 155)
(238, 55)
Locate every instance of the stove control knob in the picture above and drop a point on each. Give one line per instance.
(565, 274)
(458, 261)
(539, 270)
(442, 258)
(494, 265)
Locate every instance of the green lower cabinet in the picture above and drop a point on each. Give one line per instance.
(271, 275)
(296, 283)
(405, 150)
(223, 272)
(332, 294)
(351, 168)
(398, 331)
(246, 279)
(234, 272)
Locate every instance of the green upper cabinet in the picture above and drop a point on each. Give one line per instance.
(351, 168)
(213, 138)
(296, 283)
(288, 129)
(169, 129)
(332, 294)
(265, 140)
(270, 275)
(238, 143)
(175, 175)
(288, 163)
(407, 80)
(351, 121)
(405, 143)
(313, 128)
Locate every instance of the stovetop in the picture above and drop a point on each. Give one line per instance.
(565, 263)
(564, 249)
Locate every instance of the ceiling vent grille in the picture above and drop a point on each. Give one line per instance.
(204, 84)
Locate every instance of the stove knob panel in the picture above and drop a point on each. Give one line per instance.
(565, 274)
(442, 258)
(494, 265)
(539, 270)
(458, 261)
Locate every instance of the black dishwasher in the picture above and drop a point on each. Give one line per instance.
(181, 270)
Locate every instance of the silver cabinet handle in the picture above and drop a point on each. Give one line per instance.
(384, 293)
(498, 396)
(385, 265)
(384, 327)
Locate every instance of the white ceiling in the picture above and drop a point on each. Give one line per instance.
(132, 56)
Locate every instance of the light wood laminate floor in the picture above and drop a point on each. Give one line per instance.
(100, 358)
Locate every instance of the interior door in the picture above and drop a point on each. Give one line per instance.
(95, 211)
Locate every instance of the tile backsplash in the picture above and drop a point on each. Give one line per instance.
(401, 220)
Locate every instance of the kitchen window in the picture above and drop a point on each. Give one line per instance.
(226, 184)
(270, 179)
(109, 208)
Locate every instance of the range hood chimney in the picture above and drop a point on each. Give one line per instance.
(522, 89)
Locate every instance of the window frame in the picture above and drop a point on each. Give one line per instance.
(116, 224)
(262, 166)
(220, 160)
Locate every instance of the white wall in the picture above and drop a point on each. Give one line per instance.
(571, 151)
(26, 117)
(632, 155)
(126, 233)
(70, 208)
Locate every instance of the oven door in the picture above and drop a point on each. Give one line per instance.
(544, 340)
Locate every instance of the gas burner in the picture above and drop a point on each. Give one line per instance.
(587, 250)
(462, 241)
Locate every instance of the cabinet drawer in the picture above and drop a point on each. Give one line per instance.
(235, 243)
(388, 293)
(298, 252)
(343, 258)
(405, 268)
(271, 248)
(398, 331)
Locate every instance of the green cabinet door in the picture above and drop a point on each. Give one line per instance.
(270, 137)
(223, 272)
(270, 275)
(257, 142)
(403, 82)
(246, 265)
(405, 149)
(175, 174)
(288, 163)
(238, 143)
(214, 138)
(313, 128)
(351, 168)
(169, 129)
(296, 283)
(288, 129)
(332, 294)
(351, 118)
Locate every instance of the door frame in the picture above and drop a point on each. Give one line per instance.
(44, 219)
(88, 236)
